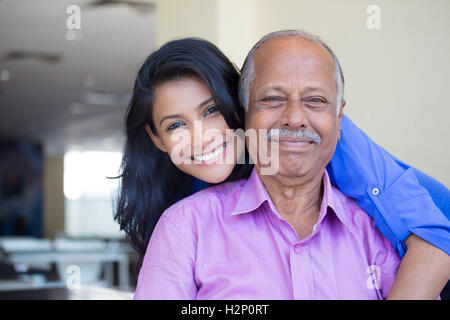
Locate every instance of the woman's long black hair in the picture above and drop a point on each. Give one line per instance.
(149, 181)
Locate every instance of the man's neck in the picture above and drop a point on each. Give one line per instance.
(297, 200)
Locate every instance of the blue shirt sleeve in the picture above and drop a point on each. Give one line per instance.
(401, 199)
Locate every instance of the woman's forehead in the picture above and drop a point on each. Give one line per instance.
(185, 93)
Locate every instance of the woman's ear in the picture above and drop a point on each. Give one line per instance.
(156, 139)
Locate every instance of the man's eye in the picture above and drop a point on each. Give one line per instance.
(174, 126)
(212, 109)
(316, 100)
(272, 98)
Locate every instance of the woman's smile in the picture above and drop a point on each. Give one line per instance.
(216, 155)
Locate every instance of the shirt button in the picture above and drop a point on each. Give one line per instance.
(375, 191)
(297, 248)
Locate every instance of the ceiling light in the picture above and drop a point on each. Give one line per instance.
(4, 75)
(106, 99)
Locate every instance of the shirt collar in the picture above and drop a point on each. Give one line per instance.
(254, 194)
(333, 199)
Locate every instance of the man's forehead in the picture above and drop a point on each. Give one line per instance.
(293, 48)
(290, 61)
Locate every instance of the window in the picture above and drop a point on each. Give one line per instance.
(89, 194)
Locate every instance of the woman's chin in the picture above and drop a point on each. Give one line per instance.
(212, 174)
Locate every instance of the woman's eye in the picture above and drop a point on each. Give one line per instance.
(174, 126)
(211, 110)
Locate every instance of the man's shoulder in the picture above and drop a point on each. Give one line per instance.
(218, 198)
(354, 214)
(361, 223)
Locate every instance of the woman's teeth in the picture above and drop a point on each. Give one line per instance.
(210, 155)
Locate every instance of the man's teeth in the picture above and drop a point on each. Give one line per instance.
(210, 155)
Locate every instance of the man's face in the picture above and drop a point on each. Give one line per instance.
(294, 88)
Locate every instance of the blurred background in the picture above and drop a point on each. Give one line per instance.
(67, 69)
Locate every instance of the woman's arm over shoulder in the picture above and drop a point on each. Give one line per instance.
(389, 191)
(423, 273)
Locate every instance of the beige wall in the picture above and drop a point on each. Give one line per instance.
(397, 77)
(230, 24)
(191, 18)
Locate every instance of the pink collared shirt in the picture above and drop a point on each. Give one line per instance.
(230, 242)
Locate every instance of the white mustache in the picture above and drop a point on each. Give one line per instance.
(276, 133)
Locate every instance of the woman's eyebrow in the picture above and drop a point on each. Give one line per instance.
(171, 116)
(205, 102)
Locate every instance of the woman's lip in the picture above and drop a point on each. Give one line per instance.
(213, 160)
(211, 151)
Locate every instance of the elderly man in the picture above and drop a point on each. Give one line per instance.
(290, 235)
(296, 93)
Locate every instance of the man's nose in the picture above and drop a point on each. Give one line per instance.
(294, 115)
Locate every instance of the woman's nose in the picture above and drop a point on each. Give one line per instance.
(197, 137)
(204, 136)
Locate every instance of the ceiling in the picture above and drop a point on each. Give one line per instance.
(69, 89)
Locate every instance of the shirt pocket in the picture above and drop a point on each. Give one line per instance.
(242, 278)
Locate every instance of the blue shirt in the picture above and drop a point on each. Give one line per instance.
(401, 199)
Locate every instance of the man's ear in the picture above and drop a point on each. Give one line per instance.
(156, 139)
(341, 113)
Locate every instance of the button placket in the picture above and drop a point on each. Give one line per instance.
(301, 273)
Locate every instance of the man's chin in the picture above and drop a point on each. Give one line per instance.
(290, 169)
(298, 164)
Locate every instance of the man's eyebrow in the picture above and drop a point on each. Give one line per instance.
(274, 88)
(281, 89)
(309, 89)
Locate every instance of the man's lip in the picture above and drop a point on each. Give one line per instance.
(294, 139)
(296, 145)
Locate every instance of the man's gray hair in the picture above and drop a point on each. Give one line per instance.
(248, 69)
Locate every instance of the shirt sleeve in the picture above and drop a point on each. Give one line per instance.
(389, 190)
(167, 272)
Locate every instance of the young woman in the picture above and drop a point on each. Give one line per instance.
(189, 84)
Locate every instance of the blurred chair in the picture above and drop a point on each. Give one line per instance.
(80, 259)
(76, 262)
(17, 275)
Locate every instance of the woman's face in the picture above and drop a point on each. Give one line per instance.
(192, 131)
